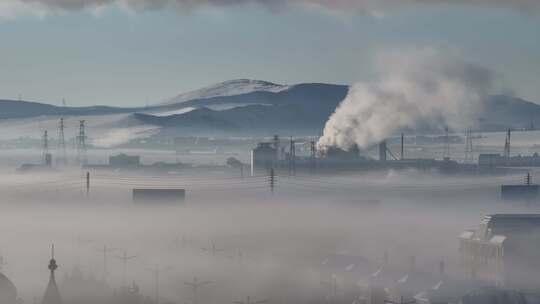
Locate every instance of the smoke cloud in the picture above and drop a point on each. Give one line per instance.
(116, 137)
(419, 87)
(359, 6)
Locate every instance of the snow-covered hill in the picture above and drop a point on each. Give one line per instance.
(228, 88)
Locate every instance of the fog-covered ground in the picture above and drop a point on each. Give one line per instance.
(267, 246)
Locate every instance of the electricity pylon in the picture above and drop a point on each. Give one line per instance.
(62, 156)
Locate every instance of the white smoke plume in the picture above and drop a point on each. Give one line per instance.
(422, 86)
(358, 6)
(116, 137)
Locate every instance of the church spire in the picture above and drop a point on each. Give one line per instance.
(52, 296)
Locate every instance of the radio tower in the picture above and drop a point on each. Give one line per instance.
(62, 158)
(81, 145)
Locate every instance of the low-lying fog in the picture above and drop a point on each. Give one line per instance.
(233, 231)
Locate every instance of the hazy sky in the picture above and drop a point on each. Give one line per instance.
(127, 55)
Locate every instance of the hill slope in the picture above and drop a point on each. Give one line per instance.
(252, 107)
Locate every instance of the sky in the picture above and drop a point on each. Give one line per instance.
(135, 52)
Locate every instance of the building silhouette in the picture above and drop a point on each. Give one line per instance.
(52, 295)
(8, 291)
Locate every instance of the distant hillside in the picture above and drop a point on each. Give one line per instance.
(307, 116)
(502, 112)
(10, 109)
(254, 107)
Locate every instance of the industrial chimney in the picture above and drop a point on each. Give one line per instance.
(382, 151)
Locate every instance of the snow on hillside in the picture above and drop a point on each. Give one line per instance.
(173, 112)
(229, 88)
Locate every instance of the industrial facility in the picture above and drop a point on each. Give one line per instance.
(282, 157)
(274, 155)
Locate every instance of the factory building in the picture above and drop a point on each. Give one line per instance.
(487, 161)
(504, 251)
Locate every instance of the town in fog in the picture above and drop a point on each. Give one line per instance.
(391, 155)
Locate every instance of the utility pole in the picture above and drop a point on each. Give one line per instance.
(62, 157)
(125, 258)
(195, 285)
(277, 147)
(105, 250)
(81, 144)
(87, 184)
(157, 272)
(250, 301)
(528, 179)
(45, 147)
(272, 180)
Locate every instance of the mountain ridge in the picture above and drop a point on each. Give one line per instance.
(292, 109)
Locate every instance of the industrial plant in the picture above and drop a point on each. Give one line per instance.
(283, 157)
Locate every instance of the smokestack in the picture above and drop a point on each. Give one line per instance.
(413, 263)
(385, 258)
(382, 151)
(402, 146)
